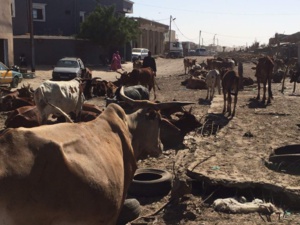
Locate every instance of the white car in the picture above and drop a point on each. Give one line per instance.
(68, 68)
(139, 53)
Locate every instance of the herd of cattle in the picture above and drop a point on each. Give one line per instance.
(79, 172)
(218, 71)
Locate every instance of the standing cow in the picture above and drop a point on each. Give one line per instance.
(263, 73)
(52, 97)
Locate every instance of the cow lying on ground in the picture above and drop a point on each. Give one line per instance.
(14, 99)
(26, 116)
(75, 173)
(230, 85)
(213, 80)
(136, 92)
(143, 76)
(188, 64)
(195, 83)
(65, 95)
(29, 116)
(263, 73)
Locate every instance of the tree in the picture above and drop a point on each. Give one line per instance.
(105, 28)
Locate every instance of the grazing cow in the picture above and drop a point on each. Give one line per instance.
(143, 76)
(188, 64)
(65, 95)
(75, 173)
(263, 73)
(230, 85)
(213, 79)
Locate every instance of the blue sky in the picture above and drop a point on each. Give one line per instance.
(232, 22)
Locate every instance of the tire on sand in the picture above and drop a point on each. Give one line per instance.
(150, 183)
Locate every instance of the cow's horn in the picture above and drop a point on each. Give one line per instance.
(136, 103)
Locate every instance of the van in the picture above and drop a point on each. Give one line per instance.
(201, 52)
(139, 53)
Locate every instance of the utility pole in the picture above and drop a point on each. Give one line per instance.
(30, 28)
(199, 39)
(170, 30)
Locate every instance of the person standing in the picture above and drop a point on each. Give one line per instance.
(116, 61)
(149, 61)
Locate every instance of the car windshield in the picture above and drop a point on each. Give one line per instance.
(3, 67)
(136, 50)
(67, 63)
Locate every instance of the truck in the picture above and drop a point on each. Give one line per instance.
(173, 49)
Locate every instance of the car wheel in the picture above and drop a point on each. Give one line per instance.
(130, 211)
(14, 82)
(151, 182)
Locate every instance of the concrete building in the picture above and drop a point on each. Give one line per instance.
(6, 33)
(152, 35)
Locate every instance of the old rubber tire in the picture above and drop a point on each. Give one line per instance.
(130, 211)
(14, 82)
(150, 182)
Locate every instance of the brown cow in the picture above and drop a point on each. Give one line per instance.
(188, 64)
(143, 76)
(230, 85)
(195, 83)
(75, 173)
(26, 116)
(263, 73)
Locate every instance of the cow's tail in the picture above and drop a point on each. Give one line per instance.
(68, 119)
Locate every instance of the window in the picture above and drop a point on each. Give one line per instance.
(38, 12)
(81, 16)
(13, 9)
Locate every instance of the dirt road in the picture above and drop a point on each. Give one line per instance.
(231, 157)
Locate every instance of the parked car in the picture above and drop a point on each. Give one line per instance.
(9, 77)
(68, 68)
(139, 53)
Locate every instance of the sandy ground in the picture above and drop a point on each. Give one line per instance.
(221, 157)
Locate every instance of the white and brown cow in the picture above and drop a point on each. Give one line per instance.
(75, 173)
(213, 80)
(65, 95)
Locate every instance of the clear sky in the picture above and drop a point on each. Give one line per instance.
(232, 22)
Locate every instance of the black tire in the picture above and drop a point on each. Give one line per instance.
(14, 82)
(287, 158)
(130, 211)
(288, 149)
(150, 182)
